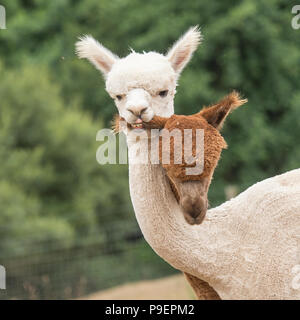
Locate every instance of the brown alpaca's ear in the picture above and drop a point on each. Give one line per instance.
(216, 114)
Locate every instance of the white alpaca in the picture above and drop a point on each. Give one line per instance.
(246, 248)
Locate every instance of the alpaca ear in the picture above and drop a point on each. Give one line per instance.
(216, 114)
(181, 52)
(89, 48)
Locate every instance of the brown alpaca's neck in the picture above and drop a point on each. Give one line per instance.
(163, 225)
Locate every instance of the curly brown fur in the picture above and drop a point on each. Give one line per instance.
(201, 288)
(191, 190)
(115, 123)
(217, 113)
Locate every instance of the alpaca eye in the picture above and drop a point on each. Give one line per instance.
(119, 97)
(163, 93)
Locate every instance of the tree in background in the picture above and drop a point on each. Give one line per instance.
(53, 193)
(52, 104)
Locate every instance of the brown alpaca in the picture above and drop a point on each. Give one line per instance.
(191, 190)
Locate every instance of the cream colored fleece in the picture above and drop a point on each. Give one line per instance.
(245, 249)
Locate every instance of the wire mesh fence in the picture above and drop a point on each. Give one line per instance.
(52, 269)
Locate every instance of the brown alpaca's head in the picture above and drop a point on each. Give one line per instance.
(191, 189)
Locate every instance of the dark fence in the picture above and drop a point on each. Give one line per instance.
(50, 270)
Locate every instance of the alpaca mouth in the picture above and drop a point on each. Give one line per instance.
(138, 124)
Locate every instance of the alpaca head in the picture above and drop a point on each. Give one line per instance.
(141, 84)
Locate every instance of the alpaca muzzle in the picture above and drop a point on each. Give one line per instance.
(194, 209)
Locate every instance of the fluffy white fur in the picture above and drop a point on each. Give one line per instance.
(152, 72)
(247, 247)
(180, 54)
(99, 56)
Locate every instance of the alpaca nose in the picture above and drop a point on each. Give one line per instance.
(137, 111)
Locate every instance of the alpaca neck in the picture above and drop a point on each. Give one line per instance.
(183, 246)
(240, 249)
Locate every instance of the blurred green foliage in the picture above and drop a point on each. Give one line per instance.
(53, 194)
